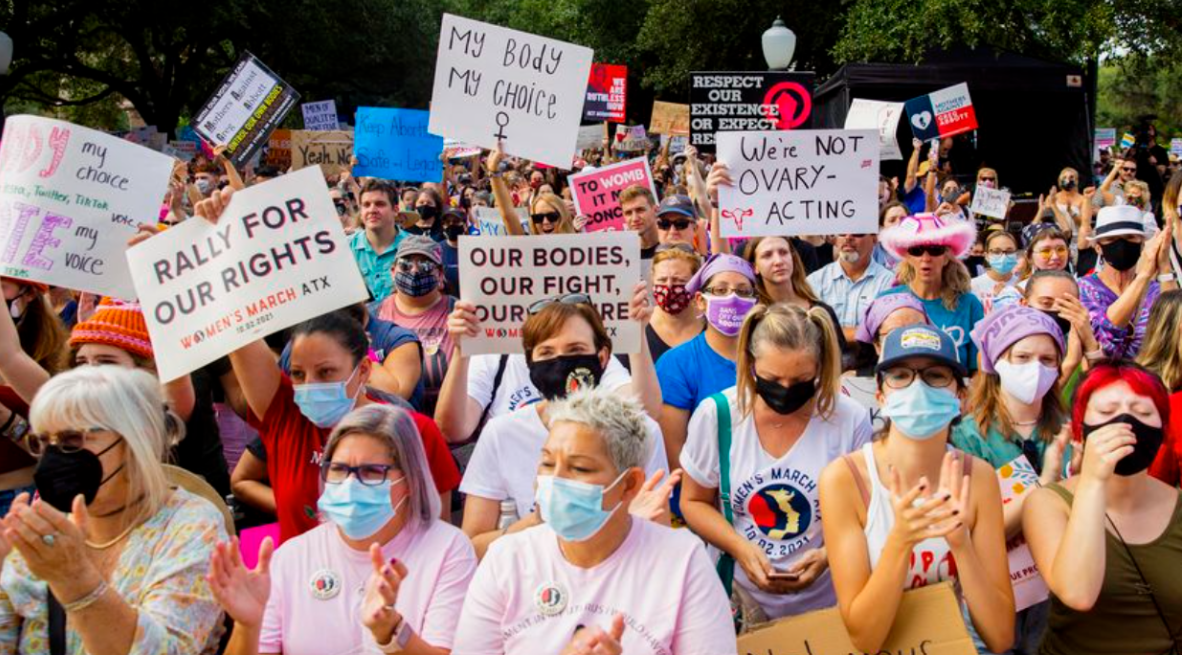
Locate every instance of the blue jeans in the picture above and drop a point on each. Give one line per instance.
(1029, 626)
(9, 495)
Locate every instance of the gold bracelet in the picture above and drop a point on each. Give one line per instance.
(88, 599)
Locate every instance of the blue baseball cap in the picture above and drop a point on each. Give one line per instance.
(677, 204)
(919, 341)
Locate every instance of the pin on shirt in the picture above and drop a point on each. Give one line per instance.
(325, 584)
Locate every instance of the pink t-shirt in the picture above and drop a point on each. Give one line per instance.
(318, 584)
(527, 599)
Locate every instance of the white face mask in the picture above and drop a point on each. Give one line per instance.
(1028, 382)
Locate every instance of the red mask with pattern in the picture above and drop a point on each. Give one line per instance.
(673, 298)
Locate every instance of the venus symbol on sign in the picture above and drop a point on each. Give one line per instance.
(502, 121)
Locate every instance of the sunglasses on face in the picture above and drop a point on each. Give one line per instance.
(411, 265)
(569, 299)
(987, 179)
(920, 251)
(342, 208)
(67, 441)
(548, 217)
(1126, 169)
(680, 224)
(370, 475)
(1047, 252)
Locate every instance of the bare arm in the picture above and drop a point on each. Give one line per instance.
(400, 372)
(645, 385)
(912, 167)
(674, 424)
(19, 370)
(982, 566)
(456, 413)
(250, 484)
(502, 195)
(480, 523)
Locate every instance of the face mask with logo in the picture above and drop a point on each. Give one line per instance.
(1121, 254)
(557, 377)
(359, 510)
(1028, 382)
(1145, 450)
(325, 403)
(921, 412)
(785, 400)
(415, 285)
(672, 298)
(573, 509)
(1003, 264)
(726, 314)
(61, 476)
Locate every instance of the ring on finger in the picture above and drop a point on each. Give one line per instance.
(49, 539)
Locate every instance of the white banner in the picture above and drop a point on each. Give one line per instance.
(881, 116)
(503, 276)
(491, 224)
(994, 203)
(278, 256)
(494, 83)
(796, 182)
(320, 116)
(70, 198)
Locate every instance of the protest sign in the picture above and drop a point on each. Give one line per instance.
(453, 149)
(631, 138)
(494, 83)
(670, 118)
(394, 144)
(250, 102)
(747, 102)
(799, 182)
(606, 93)
(331, 150)
(320, 115)
(182, 150)
(1105, 137)
(70, 198)
(279, 149)
(277, 256)
(1176, 147)
(1127, 140)
(1016, 479)
(994, 203)
(942, 113)
(490, 223)
(881, 116)
(597, 193)
(590, 136)
(503, 276)
(928, 621)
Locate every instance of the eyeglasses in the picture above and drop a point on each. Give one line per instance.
(1126, 169)
(1046, 253)
(999, 253)
(67, 441)
(680, 224)
(901, 377)
(548, 217)
(919, 251)
(569, 299)
(342, 208)
(370, 475)
(742, 292)
(421, 265)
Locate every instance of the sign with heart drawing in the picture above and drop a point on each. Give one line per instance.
(946, 112)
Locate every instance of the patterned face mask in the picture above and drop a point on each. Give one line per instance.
(672, 298)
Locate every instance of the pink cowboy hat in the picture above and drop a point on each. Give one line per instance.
(929, 230)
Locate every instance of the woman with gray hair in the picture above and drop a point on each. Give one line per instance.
(572, 583)
(383, 523)
(109, 558)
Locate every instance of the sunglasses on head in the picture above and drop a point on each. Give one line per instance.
(551, 217)
(919, 251)
(569, 299)
(680, 224)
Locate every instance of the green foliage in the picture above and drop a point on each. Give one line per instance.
(1134, 89)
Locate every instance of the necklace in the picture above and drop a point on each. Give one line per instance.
(1023, 424)
(107, 544)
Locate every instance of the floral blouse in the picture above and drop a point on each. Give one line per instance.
(160, 573)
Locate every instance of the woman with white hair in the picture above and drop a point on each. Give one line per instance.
(124, 572)
(583, 581)
(383, 539)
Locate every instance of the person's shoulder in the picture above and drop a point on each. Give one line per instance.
(848, 409)
(358, 241)
(296, 548)
(528, 543)
(967, 430)
(514, 423)
(189, 507)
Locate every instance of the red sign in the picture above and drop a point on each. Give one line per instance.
(607, 91)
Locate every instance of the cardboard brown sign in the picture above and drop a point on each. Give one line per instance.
(331, 149)
(928, 623)
(670, 118)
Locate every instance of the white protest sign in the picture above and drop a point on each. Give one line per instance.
(70, 198)
(1016, 479)
(881, 116)
(321, 116)
(590, 137)
(496, 83)
(994, 203)
(796, 182)
(503, 276)
(491, 224)
(278, 256)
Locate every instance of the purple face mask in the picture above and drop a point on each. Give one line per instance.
(726, 314)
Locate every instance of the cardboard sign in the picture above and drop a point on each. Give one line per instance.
(250, 102)
(631, 138)
(670, 118)
(880, 116)
(799, 182)
(994, 203)
(394, 144)
(503, 276)
(70, 198)
(279, 149)
(597, 193)
(928, 621)
(590, 137)
(278, 256)
(946, 112)
(331, 150)
(1017, 479)
(747, 102)
(490, 223)
(494, 83)
(607, 91)
(320, 115)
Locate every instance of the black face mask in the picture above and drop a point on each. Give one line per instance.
(415, 229)
(1144, 451)
(428, 212)
(453, 232)
(1121, 254)
(556, 378)
(61, 476)
(1067, 185)
(1063, 323)
(782, 399)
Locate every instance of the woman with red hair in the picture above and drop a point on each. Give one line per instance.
(1108, 541)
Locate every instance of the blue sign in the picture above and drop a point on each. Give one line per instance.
(394, 144)
(922, 117)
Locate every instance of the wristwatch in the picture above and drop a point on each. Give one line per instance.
(17, 428)
(399, 639)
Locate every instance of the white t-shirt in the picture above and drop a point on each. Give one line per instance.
(527, 599)
(505, 461)
(516, 390)
(318, 585)
(983, 286)
(776, 502)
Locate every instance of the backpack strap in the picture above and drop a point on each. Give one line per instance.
(862, 490)
(502, 364)
(726, 563)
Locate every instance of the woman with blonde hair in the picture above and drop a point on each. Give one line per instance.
(674, 322)
(1162, 352)
(108, 550)
(754, 454)
(548, 213)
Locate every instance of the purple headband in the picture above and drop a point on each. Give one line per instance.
(1003, 328)
(880, 309)
(719, 263)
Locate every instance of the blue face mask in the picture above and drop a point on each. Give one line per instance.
(325, 403)
(359, 510)
(573, 509)
(919, 411)
(1003, 264)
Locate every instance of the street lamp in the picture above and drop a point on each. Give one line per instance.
(5, 53)
(779, 44)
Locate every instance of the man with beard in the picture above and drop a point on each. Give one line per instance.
(852, 281)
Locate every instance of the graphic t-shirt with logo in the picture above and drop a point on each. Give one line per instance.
(956, 323)
(776, 502)
(516, 390)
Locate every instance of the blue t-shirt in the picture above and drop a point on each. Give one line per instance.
(451, 269)
(692, 372)
(916, 201)
(956, 323)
